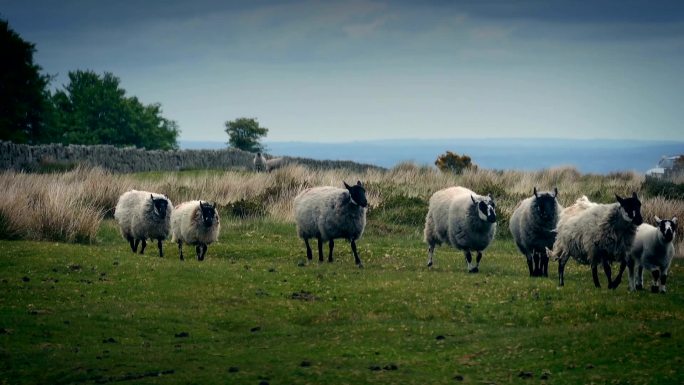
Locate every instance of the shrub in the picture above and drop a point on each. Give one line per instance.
(452, 162)
(658, 187)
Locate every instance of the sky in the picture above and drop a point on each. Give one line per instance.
(370, 70)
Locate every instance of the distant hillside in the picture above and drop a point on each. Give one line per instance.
(589, 156)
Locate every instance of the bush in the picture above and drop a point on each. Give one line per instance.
(452, 162)
(247, 208)
(664, 188)
(401, 210)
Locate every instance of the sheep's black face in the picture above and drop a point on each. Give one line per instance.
(357, 194)
(668, 227)
(487, 210)
(208, 213)
(632, 208)
(160, 206)
(546, 204)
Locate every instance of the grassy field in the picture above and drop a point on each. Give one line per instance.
(255, 313)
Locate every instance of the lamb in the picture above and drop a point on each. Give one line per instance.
(196, 223)
(597, 233)
(327, 213)
(533, 226)
(652, 249)
(143, 215)
(463, 219)
(259, 162)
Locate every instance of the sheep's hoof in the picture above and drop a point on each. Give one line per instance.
(430, 264)
(474, 270)
(655, 289)
(663, 290)
(360, 265)
(640, 287)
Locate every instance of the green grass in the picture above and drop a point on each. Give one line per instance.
(86, 314)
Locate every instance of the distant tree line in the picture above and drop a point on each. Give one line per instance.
(90, 109)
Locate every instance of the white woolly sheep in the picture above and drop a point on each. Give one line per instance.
(275, 163)
(143, 215)
(259, 162)
(327, 213)
(597, 233)
(533, 226)
(195, 223)
(463, 219)
(652, 249)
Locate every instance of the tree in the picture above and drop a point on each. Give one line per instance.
(24, 105)
(245, 133)
(93, 109)
(453, 162)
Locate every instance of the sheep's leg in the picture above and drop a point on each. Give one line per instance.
(431, 253)
(356, 254)
(320, 250)
(135, 246)
(631, 277)
(530, 266)
(309, 253)
(608, 271)
(544, 264)
(561, 269)
(477, 263)
(594, 275)
(159, 245)
(203, 251)
(144, 245)
(198, 251)
(468, 258)
(618, 278)
(180, 250)
(663, 281)
(331, 245)
(537, 265)
(640, 278)
(655, 286)
(131, 242)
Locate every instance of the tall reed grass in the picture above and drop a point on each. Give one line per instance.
(69, 206)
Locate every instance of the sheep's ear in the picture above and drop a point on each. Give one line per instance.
(152, 197)
(555, 192)
(535, 192)
(656, 220)
(674, 221)
(618, 199)
(213, 205)
(473, 198)
(358, 183)
(634, 195)
(346, 185)
(491, 197)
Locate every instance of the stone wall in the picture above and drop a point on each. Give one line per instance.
(130, 159)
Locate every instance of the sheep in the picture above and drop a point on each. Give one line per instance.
(533, 226)
(275, 163)
(195, 223)
(259, 162)
(652, 249)
(143, 215)
(463, 219)
(327, 213)
(597, 233)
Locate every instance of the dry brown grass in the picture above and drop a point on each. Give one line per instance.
(69, 206)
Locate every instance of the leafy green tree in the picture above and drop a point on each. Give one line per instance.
(452, 162)
(24, 103)
(245, 133)
(94, 109)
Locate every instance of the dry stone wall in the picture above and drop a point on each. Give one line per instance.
(130, 159)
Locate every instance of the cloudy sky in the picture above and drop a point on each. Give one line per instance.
(356, 70)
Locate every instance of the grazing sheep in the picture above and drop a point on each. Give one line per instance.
(275, 163)
(259, 162)
(597, 233)
(143, 215)
(195, 223)
(533, 226)
(652, 249)
(463, 219)
(327, 213)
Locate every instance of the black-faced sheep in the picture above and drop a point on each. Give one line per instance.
(597, 233)
(462, 219)
(143, 215)
(652, 249)
(259, 162)
(533, 226)
(327, 213)
(195, 223)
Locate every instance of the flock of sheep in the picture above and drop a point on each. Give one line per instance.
(589, 232)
